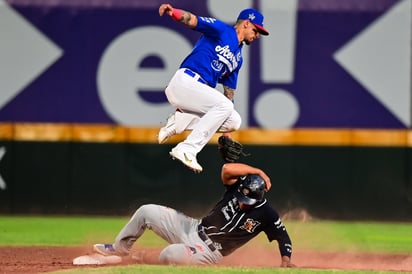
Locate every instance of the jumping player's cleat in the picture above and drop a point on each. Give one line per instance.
(168, 130)
(188, 159)
(105, 249)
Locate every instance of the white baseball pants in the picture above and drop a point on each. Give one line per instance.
(201, 109)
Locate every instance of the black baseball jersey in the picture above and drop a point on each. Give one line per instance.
(229, 227)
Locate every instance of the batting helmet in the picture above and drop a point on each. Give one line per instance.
(251, 189)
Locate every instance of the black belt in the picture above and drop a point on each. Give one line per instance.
(205, 238)
(193, 74)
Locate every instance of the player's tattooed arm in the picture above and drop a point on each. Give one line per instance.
(189, 19)
(229, 92)
(182, 16)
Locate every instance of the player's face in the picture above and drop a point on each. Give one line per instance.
(245, 207)
(252, 34)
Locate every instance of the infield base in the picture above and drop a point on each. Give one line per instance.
(96, 259)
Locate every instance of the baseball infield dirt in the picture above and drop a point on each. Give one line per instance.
(47, 259)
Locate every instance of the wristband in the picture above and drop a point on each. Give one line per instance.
(177, 14)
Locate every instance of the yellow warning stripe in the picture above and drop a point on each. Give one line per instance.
(256, 136)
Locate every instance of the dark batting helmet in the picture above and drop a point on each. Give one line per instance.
(251, 189)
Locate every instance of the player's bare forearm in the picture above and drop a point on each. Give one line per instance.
(229, 92)
(182, 16)
(232, 171)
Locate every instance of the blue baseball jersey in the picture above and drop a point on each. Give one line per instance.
(217, 55)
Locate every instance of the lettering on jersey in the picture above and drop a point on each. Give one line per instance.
(250, 225)
(227, 57)
(207, 19)
(230, 209)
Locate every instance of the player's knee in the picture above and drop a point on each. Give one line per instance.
(227, 106)
(232, 123)
(237, 120)
(146, 212)
(175, 254)
(224, 107)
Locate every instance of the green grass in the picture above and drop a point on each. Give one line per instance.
(314, 235)
(352, 236)
(154, 269)
(64, 231)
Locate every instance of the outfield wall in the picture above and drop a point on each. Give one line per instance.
(112, 176)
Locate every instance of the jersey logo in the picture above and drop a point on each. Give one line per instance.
(187, 160)
(250, 225)
(216, 65)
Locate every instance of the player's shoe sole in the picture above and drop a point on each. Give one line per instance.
(187, 159)
(105, 249)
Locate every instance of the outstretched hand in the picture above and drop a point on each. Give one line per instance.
(185, 17)
(165, 8)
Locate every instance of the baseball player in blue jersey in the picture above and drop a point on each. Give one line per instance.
(215, 58)
(238, 217)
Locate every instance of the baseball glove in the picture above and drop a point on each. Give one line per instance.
(229, 149)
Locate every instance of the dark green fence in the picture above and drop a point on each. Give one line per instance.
(371, 183)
